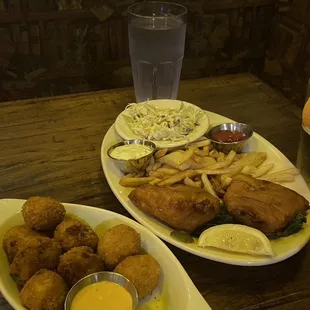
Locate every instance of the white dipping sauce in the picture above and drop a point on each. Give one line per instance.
(130, 151)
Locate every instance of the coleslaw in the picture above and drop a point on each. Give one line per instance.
(157, 124)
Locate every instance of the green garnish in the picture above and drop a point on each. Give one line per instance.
(295, 226)
(223, 217)
(15, 277)
(182, 236)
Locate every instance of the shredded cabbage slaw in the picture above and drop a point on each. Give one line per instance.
(158, 124)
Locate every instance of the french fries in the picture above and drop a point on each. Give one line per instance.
(168, 171)
(177, 158)
(156, 174)
(252, 159)
(187, 164)
(202, 153)
(202, 143)
(198, 165)
(155, 181)
(223, 162)
(279, 178)
(262, 170)
(191, 183)
(173, 159)
(287, 175)
(207, 185)
(248, 169)
(135, 182)
(292, 171)
(198, 183)
(178, 177)
(214, 154)
(225, 181)
(160, 153)
(153, 167)
(221, 157)
(229, 171)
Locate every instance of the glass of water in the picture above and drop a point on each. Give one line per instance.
(156, 44)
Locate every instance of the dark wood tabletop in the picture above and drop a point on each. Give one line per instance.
(51, 147)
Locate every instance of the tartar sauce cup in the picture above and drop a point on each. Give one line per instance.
(99, 277)
(236, 146)
(136, 164)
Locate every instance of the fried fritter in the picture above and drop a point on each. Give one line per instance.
(45, 290)
(117, 243)
(78, 263)
(42, 213)
(72, 233)
(263, 205)
(143, 271)
(38, 253)
(182, 207)
(17, 237)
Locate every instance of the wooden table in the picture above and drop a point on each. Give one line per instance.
(51, 146)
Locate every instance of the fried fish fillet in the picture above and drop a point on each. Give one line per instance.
(181, 207)
(266, 206)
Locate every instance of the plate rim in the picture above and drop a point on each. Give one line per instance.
(194, 296)
(184, 246)
(165, 144)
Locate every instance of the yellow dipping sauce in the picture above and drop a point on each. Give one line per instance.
(102, 295)
(130, 151)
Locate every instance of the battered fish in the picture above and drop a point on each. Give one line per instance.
(181, 207)
(266, 206)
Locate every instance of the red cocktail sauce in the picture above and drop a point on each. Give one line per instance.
(228, 136)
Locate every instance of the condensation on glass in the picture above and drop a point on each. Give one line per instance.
(156, 43)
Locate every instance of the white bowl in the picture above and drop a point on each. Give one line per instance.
(175, 285)
(123, 129)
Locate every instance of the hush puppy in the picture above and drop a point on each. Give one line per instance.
(117, 243)
(143, 271)
(44, 290)
(15, 238)
(72, 233)
(42, 213)
(78, 263)
(38, 253)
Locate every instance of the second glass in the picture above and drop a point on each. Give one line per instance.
(303, 156)
(156, 44)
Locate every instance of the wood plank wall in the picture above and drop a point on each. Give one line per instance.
(54, 47)
(287, 65)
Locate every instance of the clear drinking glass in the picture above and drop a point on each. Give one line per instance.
(156, 43)
(303, 157)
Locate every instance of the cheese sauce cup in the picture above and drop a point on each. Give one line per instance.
(132, 156)
(102, 290)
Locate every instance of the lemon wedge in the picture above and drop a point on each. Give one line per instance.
(306, 114)
(236, 238)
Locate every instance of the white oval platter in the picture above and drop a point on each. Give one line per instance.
(175, 284)
(283, 247)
